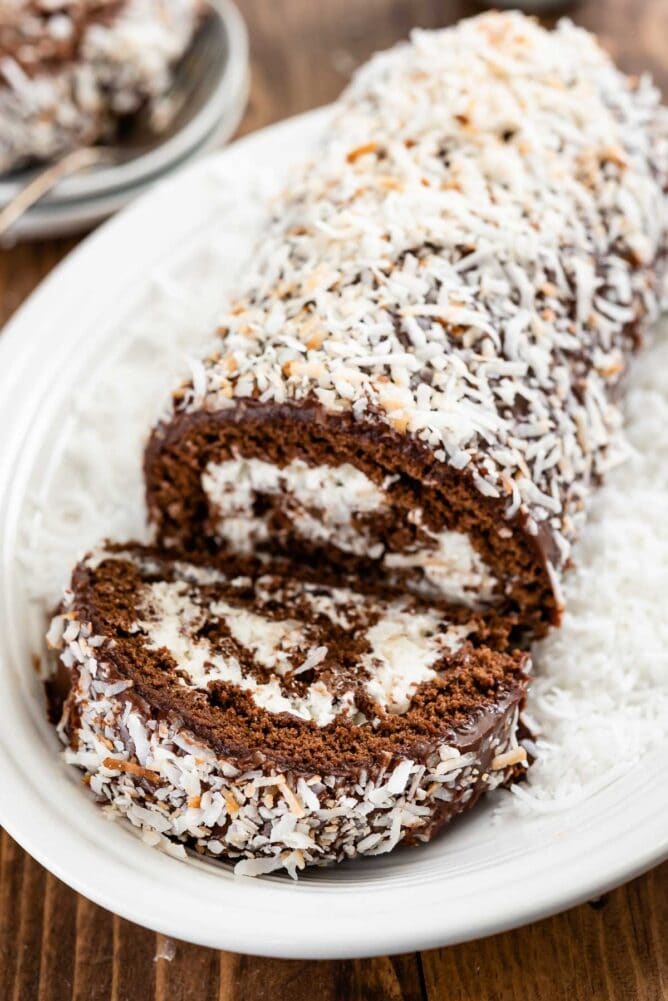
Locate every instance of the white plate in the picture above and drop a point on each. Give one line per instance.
(86, 198)
(479, 878)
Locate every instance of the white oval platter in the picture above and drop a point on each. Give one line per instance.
(484, 875)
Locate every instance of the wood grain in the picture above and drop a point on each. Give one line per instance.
(609, 951)
(57, 946)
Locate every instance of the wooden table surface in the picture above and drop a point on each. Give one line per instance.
(57, 946)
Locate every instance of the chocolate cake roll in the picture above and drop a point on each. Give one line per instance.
(419, 377)
(71, 69)
(272, 720)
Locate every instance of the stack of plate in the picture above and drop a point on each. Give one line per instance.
(208, 117)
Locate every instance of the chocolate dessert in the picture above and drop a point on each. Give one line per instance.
(366, 497)
(282, 722)
(70, 70)
(419, 376)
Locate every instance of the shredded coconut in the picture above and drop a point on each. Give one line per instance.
(268, 821)
(600, 698)
(467, 260)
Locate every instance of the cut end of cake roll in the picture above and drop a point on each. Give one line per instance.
(330, 490)
(275, 721)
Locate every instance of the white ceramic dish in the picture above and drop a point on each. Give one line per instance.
(479, 878)
(85, 199)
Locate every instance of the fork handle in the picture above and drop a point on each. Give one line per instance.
(39, 186)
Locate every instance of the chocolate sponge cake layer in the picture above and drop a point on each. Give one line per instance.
(274, 720)
(420, 374)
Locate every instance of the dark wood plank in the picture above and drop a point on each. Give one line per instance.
(387, 979)
(186, 972)
(612, 950)
(23, 267)
(11, 877)
(133, 962)
(58, 945)
(20, 949)
(93, 953)
(55, 945)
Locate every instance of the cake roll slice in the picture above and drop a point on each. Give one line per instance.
(420, 375)
(71, 70)
(272, 720)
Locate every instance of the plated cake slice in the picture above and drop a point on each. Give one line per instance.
(274, 720)
(419, 375)
(71, 69)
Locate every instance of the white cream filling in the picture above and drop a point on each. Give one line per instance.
(404, 646)
(453, 569)
(271, 642)
(338, 493)
(168, 616)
